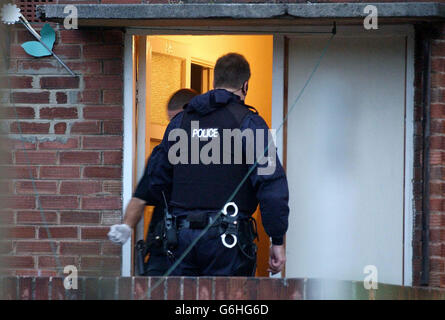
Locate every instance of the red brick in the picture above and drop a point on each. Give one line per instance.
(59, 82)
(112, 157)
(72, 143)
(42, 187)
(19, 232)
(42, 288)
(114, 36)
(101, 113)
(437, 142)
(22, 113)
(57, 289)
(19, 172)
(437, 204)
(89, 97)
(80, 248)
(30, 127)
(112, 187)
(437, 173)
(59, 202)
(58, 233)
(16, 144)
(102, 172)
(67, 51)
(85, 67)
(437, 220)
(35, 217)
(60, 128)
(113, 67)
(112, 96)
(18, 262)
(18, 202)
(86, 127)
(113, 127)
(438, 49)
(31, 97)
(100, 263)
(58, 113)
(50, 261)
(109, 248)
(35, 157)
(34, 247)
(19, 82)
(61, 98)
(437, 157)
(25, 288)
(38, 66)
(190, 289)
(103, 82)
(121, 1)
(79, 217)
(101, 203)
(438, 80)
(102, 51)
(438, 110)
(438, 127)
(80, 187)
(79, 157)
(94, 233)
(59, 172)
(80, 36)
(102, 142)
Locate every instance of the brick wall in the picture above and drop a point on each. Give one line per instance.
(72, 130)
(72, 145)
(204, 288)
(437, 160)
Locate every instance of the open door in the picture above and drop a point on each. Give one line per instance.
(169, 63)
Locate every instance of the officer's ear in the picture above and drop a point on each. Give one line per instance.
(245, 88)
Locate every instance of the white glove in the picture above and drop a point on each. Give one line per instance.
(119, 233)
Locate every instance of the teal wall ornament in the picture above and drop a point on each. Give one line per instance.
(10, 14)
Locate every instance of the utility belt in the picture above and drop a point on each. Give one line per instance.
(234, 231)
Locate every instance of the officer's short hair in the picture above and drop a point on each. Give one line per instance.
(231, 71)
(180, 98)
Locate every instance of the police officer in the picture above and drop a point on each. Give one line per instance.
(157, 263)
(197, 191)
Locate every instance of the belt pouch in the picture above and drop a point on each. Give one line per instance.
(197, 220)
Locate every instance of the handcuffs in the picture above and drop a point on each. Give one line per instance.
(232, 225)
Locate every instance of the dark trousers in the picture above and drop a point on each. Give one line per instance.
(157, 265)
(209, 257)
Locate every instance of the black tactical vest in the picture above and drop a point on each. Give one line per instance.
(209, 186)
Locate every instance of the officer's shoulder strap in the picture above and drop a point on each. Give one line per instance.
(240, 111)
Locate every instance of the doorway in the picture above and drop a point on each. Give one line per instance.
(166, 64)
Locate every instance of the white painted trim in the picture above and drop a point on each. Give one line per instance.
(409, 160)
(277, 90)
(129, 144)
(140, 118)
(278, 97)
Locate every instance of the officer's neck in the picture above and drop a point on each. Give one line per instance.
(234, 91)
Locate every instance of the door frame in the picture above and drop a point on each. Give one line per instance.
(279, 107)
